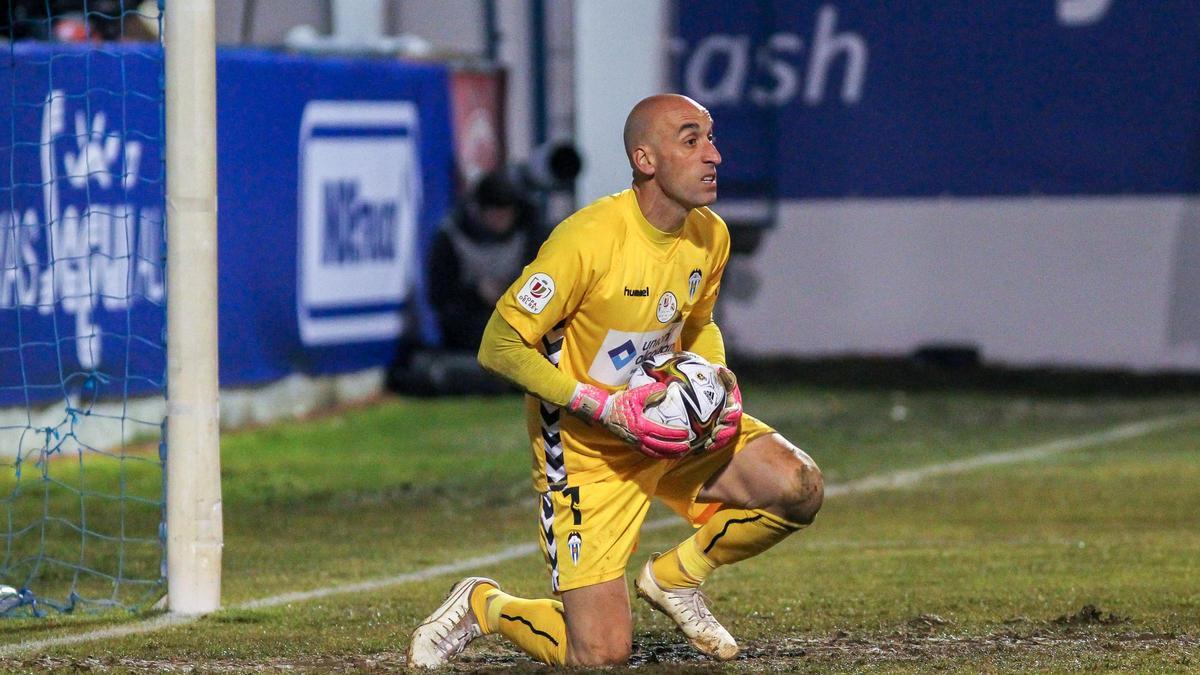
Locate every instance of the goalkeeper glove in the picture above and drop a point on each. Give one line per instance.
(623, 413)
(731, 415)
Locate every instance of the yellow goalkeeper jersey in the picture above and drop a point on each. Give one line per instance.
(606, 291)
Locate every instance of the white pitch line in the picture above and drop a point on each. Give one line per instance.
(893, 480)
(910, 477)
(419, 575)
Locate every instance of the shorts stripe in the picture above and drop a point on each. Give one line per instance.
(547, 522)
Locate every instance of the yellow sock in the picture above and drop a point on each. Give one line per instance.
(683, 566)
(729, 536)
(536, 626)
(479, 605)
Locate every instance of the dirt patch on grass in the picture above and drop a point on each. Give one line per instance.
(1088, 615)
(842, 651)
(386, 662)
(920, 648)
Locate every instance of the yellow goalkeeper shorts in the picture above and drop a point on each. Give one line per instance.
(588, 532)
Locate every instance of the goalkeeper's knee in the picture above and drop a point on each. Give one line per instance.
(796, 490)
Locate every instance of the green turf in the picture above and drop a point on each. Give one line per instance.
(967, 572)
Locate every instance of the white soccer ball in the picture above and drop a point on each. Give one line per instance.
(694, 397)
(9, 598)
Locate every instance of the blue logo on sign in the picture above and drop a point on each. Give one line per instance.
(357, 229)
(621, 356)
(360, 196)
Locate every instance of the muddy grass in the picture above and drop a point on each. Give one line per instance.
(925, 644)
(913, 650)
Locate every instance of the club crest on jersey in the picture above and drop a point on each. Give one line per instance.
(575, 546)
(536, 293)
(667, 307)
(694, 282)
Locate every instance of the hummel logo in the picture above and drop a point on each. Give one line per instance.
(637, 292)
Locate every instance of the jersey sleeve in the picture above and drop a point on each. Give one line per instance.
(503, 352)
(705, 340)
(552, 286)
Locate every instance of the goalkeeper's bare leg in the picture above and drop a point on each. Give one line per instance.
(771, 475)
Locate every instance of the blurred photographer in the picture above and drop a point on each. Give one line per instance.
(479, 251)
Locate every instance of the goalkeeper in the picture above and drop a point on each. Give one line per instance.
(631, 275)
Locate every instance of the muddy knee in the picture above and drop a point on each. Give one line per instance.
(803, 494)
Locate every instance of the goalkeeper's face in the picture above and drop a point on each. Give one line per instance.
(687, 155)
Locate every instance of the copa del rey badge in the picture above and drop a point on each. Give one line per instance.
(536, 293)
(667, 306)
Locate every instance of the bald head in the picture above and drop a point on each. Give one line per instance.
(642, 125)
(671, 148)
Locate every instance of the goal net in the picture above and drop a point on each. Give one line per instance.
(82, 306)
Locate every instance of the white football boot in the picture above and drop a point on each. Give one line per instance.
(688, 608)
(445, 633)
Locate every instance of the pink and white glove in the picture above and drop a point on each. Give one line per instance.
(731, 415)
(623, 413)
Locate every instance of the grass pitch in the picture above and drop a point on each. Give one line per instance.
(1085, 560)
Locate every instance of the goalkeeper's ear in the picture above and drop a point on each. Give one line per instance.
(643, 162)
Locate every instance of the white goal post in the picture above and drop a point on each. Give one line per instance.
(193, 473)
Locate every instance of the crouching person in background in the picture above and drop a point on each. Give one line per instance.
(479, 250)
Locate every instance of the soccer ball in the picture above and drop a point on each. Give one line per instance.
(694, 397)
(9, 598)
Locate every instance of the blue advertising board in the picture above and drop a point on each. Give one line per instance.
(333, 174)
(911, 99)
(81, 212)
